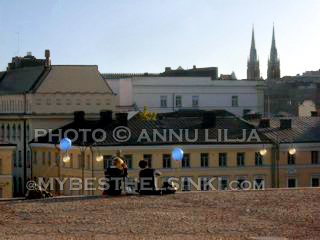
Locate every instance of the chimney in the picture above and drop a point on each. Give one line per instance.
(122, 119)
(285, 124)
(168, 69)
(106, 116)
(79, 116)
(47, 55)
(208, 119)
(194, 67)
(264, 123)
(29, 54)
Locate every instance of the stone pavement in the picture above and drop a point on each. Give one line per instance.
(263, 215)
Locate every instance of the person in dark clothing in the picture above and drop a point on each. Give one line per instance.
(115, 175)
(147, 179)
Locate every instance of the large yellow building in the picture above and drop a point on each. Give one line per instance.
(6, 154)
(225, 164)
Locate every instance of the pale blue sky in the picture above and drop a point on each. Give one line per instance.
(147, 36)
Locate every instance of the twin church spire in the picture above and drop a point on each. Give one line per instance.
(273, 62)
(253, 70)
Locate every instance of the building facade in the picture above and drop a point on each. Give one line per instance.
(167, 93)
(37, 95)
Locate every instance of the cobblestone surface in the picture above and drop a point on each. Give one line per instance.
(277, 214)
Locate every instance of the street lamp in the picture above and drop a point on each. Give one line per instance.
(263, 151)
(292, 151)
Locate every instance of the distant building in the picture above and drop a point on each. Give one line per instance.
(299, 167)
(193, 89)
(253, 70)
(35, 94)
(273, 61)
(204, 159)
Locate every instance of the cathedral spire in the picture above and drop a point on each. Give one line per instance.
(253, 45)
(273, 62)
(253, 70)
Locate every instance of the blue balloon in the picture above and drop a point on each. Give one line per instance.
(65, 144)
(177, 154)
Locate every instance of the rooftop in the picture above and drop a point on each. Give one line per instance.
(185, 121)
(303, 129)
(179, 72)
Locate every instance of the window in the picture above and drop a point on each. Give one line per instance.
(78, 101)
(195, 101)
(259, 183)
(291, 159)
(27, 133)
(178, 101)
(38, 101)
(258, 159)
(204, 158)
(43, 158)
(291, 182)
(148, 158)
(241, 183)
(204, 183)
(35, 157)
(314, 157)
(107, 161)
(14, 156)
(14, 132)
(222, 159)
(186, 161)
(223, 183)
(19, 132)
(166, 161)
(186, 183)
(98, 101)
(48, 101)
(240, 159)
(128, 158)
(2, 132)
(8, 132)
(235, 101)
(68, 101)
(19, 160)
(58, 101)
(163, 101)
(88, 101)
(315, 182)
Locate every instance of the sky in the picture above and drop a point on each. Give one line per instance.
(137, 36)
